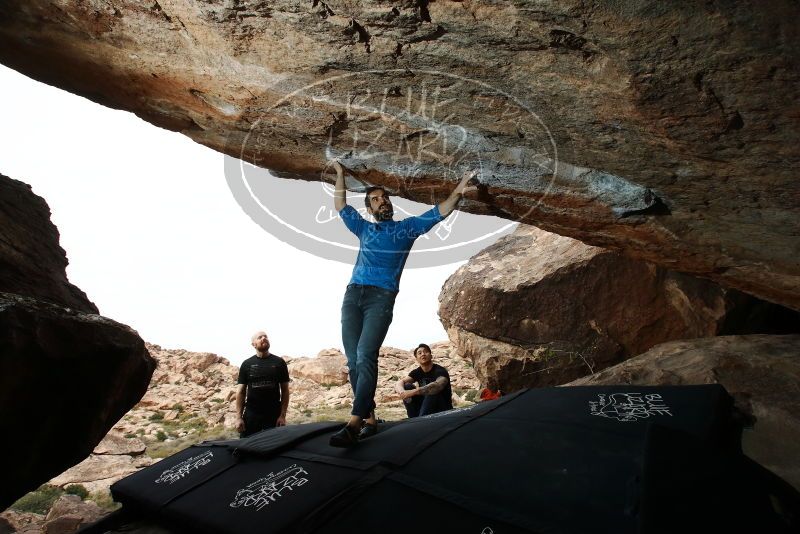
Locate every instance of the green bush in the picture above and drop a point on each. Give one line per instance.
(196, 423)
(177, 407)
(157, 416)
(471, 395)
(39, 501)
(161, 436)
(104, 500)
(130, 435)
(185, 422)
(77, 489)
(217, 400)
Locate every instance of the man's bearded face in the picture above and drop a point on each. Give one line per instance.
(380, 206)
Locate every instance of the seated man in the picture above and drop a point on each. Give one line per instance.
(433, 393)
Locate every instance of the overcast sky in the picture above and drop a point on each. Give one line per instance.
(155, 238)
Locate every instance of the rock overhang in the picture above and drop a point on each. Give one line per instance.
(659, 131)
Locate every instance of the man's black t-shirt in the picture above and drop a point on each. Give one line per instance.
(423, 379)
(263, 377)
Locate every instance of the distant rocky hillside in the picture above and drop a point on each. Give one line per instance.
(196, 389)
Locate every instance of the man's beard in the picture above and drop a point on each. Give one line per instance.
(384, 215)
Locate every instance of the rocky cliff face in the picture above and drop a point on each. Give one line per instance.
(538, 309)
(32, 262)
(667, 131)
(66, 374)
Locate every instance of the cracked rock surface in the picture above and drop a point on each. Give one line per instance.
(666, 131)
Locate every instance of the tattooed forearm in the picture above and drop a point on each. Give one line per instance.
(434, 387)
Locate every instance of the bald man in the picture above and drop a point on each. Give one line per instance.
(263, 395)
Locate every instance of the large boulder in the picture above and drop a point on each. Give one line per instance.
(538, 309)
(72, 507)
(668, 130)
(762, 373)
(65, 378)
(66, 374)
(329, 368)
(114, 443)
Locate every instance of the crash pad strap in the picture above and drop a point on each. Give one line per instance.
(278, 439)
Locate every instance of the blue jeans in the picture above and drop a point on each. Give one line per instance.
(366, 316)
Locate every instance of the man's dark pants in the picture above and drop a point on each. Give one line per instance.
(256, 422)
(420, 405)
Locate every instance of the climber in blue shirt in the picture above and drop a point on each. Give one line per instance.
(369, 300)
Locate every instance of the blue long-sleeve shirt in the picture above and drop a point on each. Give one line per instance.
(384, 246)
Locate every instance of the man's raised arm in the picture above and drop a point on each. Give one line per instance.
(446, 207)
(340, 193)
